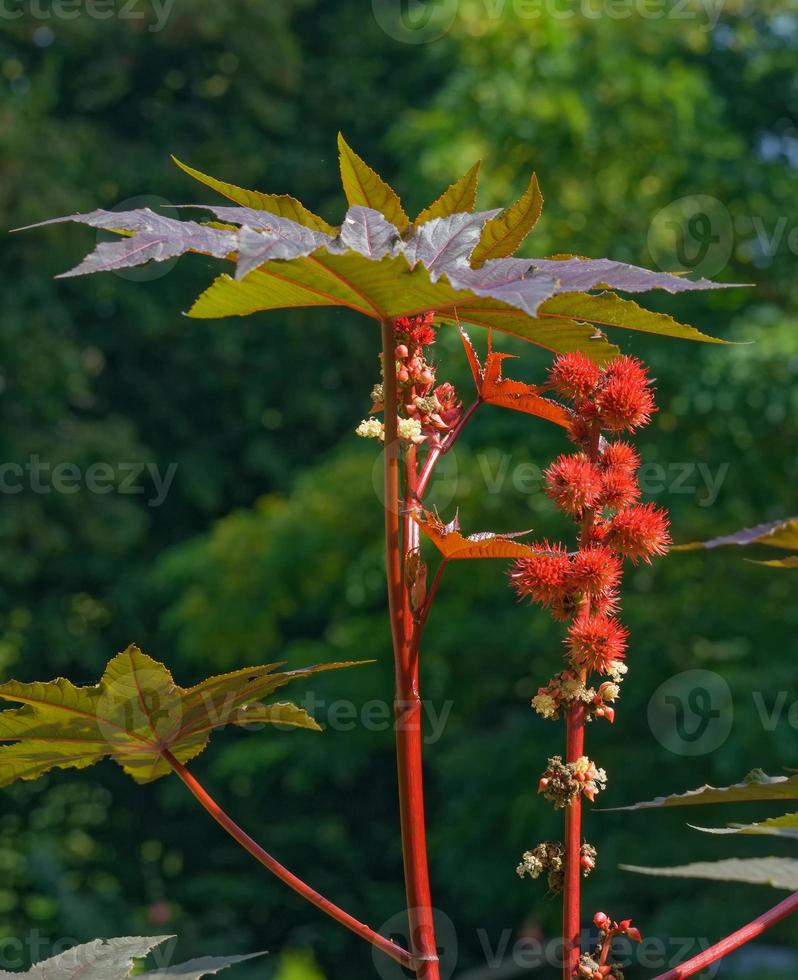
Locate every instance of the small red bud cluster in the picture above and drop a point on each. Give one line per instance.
(568, 688)
(562, 783)
(595, 965)
(597, 487)
(426, 412)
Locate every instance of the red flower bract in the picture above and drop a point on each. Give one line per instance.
(595, 570)
(574, 375)
(594, 642)
(544, 578)
(639, 531)
(573, 483)
(625, 399)
(417, 329)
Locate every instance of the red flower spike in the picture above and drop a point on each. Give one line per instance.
(625, 399)
(619, 455)
(418, 329)
(573, 483)
(574, 376)
(544, 578)
(639, 531)
(594, 642)
(596, 570)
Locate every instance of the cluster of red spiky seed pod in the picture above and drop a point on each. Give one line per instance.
(426, 411)
(597, 487)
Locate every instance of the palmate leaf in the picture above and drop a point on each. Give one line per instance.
(493, 389)
(775, 871)
(786, 826)
(113, 959)
(755, 787)
(451, 261)
(455, 547)
(134, 715)
(774, 534)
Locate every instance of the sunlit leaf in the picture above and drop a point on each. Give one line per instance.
(459, 196)
(454, 546)
(577, 275)
(786, 826)
(133, 715)
(775, 871)
(362, 185)
(114, 959)
(493, 389)
(610, 310)
(789, 562)
(774, 534)
(279, 204)
(756, 786)
(503, 235)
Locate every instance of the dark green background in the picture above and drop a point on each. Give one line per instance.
(268, 544)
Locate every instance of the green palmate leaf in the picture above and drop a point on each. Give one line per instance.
(786, 826)
(282, 205)
(610, 310)
(113, 959)
(774, 871)
(756, 786)
(459, 196)
(134, 715)
(775, 534)
(362, 185)
(503, 235)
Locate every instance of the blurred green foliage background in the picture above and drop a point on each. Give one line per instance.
(267, 544)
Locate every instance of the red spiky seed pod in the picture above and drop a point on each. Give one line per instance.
(618, 488)
(595, 570)
(595, 641)
(545, 577)
(639, 531)
(625, 399)
(573, 483)
(574, 376)
(619, 455)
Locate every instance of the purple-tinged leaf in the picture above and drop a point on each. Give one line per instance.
(368, 232)
(580, 275)
(508, 280)
(155, 238)
(444, 244)
(286, 240)
(774, 534)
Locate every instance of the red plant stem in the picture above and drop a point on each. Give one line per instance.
(297, 884)
(435, 455)
(407, 706)
(734, 941)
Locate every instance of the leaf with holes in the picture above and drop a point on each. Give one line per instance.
(114, 959)
(774, 871)
(493, 389)
(134, 715)
(455, 547)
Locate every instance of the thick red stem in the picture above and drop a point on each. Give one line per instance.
(734, 941)
(408, 707)
(297, 884)
(572, 926)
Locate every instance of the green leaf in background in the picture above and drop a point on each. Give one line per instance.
(113, 959)
(282, 205)
(133, 715)
(774, 871)
(459, 196)
(775, 534)
(502, 235)
(790, 562)
(362, 185)
(786, 826)
(756, 786)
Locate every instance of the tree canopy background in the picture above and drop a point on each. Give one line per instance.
(267, 544)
